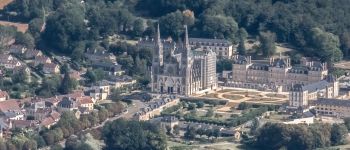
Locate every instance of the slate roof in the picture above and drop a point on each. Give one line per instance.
(333, 102)
(311, 87)
(210, 40)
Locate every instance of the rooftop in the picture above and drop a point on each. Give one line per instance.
(333, 102)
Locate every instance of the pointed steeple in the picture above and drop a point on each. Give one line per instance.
(158, 48)
(157, 38)
(187, 42)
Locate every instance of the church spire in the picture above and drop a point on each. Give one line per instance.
(187, 43)
(158, 48)
(157, 38)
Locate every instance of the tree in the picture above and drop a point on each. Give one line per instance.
(242, 37)
(188, 17)
(267, 43)
(219, 27)
(210, 113)
(49, 138)
(25, 39)
(200, 132)
(6, 33)
(200, 104)
(216, 132)
(338, 134)
(40, 141)
(69, 27)
(133, 135)
(172, 24)
(190, 133)
(115, 95)
(20, 77)
(29, 145)
(67, 84)
(223, 65)
(65, 69)
(209, 133)
(326, 45)
(176, 130)
(347, 122)
(192, 106)
(91, 76)
(138, 27)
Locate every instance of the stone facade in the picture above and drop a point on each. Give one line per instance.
(222, 48)
(183, 71)
(276, 72)
(155, 108)
(332, 107)
(300, 95)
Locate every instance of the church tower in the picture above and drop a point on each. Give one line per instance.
(188, 60)
(158, 51)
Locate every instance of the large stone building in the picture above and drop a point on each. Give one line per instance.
(301, 95)
(223, 48)
(183, 70)
(332, 107)
(277, 72)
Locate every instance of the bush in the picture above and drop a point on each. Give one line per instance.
(205, 101)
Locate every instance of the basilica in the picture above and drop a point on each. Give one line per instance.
(181, 69)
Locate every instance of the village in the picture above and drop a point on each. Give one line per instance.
(180, 84)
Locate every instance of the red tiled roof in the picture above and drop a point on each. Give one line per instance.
(47, 121)
(55, 115)
(23, 123)
(9, 105)
(85, 100)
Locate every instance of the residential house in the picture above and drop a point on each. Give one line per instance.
(20, 68)
(32, 53)
(67, 104)
(47, 122)
(11, 64)
(41, 60)
(51, 68)
(121, 81)
(5, 126)
(4, 96)
(11, 110)
(155, 108)
(112, 68)
(86, 102)
(99, 91)
(100, 55)
(28, 124)
(4, 58)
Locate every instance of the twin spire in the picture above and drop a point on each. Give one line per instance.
(186, 40)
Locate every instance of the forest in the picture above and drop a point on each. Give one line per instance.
(314, 27)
